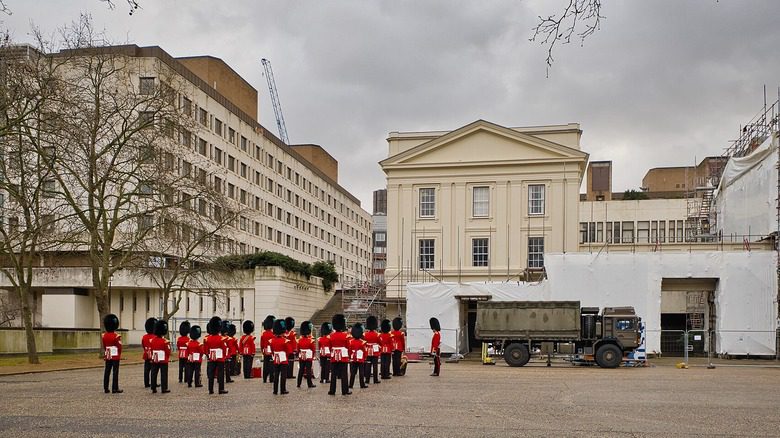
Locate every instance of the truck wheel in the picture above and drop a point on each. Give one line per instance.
(609, 356)
(516, 355)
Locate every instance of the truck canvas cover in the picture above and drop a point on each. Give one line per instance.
(549, 320)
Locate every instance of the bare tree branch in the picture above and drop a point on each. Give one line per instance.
(134, 5)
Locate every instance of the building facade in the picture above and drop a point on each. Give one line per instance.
(379, 233)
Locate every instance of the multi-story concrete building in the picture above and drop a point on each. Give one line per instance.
(379, 232)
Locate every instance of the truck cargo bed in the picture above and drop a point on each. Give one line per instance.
(534, 320)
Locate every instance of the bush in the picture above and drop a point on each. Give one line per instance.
(324, 270)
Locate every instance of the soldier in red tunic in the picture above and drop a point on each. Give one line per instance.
(194, 357)
(339, 355)
(435, 346)
(181, 347)
(289, 325)
(247, 347)
(161, 356)
(306, 355)
(323, 343)
(235, 368)
(112, 346)
(281, 349)
(399, 345)
(386, 345)
(146, 345)
(357, 356)
(215, 348)
(265, 347)
(373, 349)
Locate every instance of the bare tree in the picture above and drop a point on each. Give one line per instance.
(556, 28)
(9, 309)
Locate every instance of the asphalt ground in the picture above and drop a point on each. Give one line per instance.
(468, 399)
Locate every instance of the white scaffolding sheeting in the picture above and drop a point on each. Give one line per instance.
(745, 295)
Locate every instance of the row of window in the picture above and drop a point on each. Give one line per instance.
(655, 231)
(480, 253)
(480, 201)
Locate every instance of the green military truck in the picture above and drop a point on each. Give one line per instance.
(558, 328)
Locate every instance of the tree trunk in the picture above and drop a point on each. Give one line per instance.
(32, 349)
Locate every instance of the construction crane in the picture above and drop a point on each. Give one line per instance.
(269, 76)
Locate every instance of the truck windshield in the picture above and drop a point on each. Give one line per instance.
(624, 324)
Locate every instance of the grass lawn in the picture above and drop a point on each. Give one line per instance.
(62, 361)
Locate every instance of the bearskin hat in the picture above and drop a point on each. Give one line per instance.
(289, 323)
(111, 322)
(357, 331)
(339, 322)
(279, 327)
(325, 329)
(268, 322)
(249, 327)
(195, 332)
(306, 328)
(231, 330)
(160, 328)
(149, 325)
(435, 326)
(385, 326)
(371, 323)
(184, 328)
(224, 327)
(214, 325)
(398, 323)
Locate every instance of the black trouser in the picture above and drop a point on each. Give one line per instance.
(324, 369)
(217, 369)
(338, 370)
(111, 365)
(290, 365)
(228, 369)
(305, 370)
(436, 362)
(357, 368)
(162, 369)
(268, 367)
(372, 369)
(182, 369)
(280, 376)
(193, 370)
(397, 362)
(247, 361)
(147, 372)
(385, 358)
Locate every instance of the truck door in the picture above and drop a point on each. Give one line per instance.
(625, 330)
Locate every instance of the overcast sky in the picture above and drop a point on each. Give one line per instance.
(663, 83)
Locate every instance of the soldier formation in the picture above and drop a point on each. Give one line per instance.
(344, 353)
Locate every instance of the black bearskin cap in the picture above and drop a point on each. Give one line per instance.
(249, 327)
(224, 327)
(398, 323)
(213, 326)
(371, 323)
(268, 322)
(357, 331)
(325, 329)
(161, 328)
(231, 330)
(111, 322)
(184, 328)
(289, 323)
(385, 326)
(306, 328)
(279, 328)
(149, 325)
(339, 322)
(195, 332)
(435, 326)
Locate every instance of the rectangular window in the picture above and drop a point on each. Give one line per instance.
(203, 117)
(427, 254)
(427, 202)
(243, 143)
(628, 232)
(203, 147)
(232, 136)
(479, 252)
(643, 232)
(535, 199)
(379, 237)
(186, 106)
(662, 231)
(146, 86)
(481, 202)
(218, 127)
(536, 252)
(231, 163)
(599, 231)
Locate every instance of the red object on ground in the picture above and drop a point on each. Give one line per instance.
(413, 357)
(257, 373)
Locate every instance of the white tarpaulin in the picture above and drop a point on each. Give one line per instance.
(745, 295)
(745, 200)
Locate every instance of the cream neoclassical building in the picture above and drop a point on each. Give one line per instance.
(482, 202)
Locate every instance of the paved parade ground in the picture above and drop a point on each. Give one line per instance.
(468, 399)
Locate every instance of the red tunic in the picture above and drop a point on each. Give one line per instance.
(232, 344)
(145, 343)
(181, 346)
(324, 345)
(306, 343)
(265, 342)
(399, 340)
(357, 350)
(247, 345)
(160, 344)
(194, 351)
(435, 342)
(386, 343)
(291, 336)
(372, 343)
(111, 339)
(211, 344)
(281, 345)
(338, 347)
